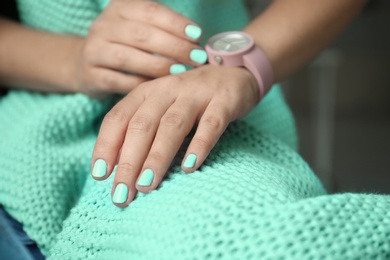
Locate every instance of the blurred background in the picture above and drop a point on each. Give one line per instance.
(340, 102)
(342, 105)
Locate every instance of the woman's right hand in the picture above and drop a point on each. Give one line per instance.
(133, 41)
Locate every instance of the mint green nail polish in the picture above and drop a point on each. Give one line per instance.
(193, 31)
(177, 68)
(190, 161)
(146, 178)
(198, 56)
(99, 169)
(121, 193)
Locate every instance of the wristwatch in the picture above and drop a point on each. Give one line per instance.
(238, 49)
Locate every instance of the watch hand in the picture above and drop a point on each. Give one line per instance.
(241, 41)
(225, 41)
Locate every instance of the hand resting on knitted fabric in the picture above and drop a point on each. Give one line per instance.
(144, 131)
(129, 43)
(126, 38)
(150, 123)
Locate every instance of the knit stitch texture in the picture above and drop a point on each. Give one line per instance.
(254, 197)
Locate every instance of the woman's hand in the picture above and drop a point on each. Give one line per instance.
(144, 131)
(144, 39)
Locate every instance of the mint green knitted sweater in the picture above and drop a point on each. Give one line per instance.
(254, 197)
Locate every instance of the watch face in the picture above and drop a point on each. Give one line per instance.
(230, 42)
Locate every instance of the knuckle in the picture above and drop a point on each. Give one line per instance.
(103, 150)
(101, 147)
(214, 123)
(119, 59)
(150, 9)
(175, 80)
(180, 47)
(173, 119)
(158, 68)
(108, 81)
(88, 76)
(166, 86)
(205, 76)
(98, 26)
(202, 142)
(116, 5)
(90, 49)
(124, 167)
(115, 115)
(99, 152)
(132, 84)
(177, 20)
(156, 157)
(140, 123)
(140, 33)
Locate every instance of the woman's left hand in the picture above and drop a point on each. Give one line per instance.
(144, 131)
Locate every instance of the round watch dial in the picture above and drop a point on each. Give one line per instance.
(230, 42)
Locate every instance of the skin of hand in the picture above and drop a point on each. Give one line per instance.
(129, 43)
(145, 130)
(142, 38)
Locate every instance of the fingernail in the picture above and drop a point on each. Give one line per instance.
(198, 56)
(190, 161)
(121, 193)
(177, 68)
(99, 169)
(146, 178)
(193, 31)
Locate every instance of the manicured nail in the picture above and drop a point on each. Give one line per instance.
(190, 161)
(193, 31)
(146, 178)
(198, 56)
(177, 68)
(99, 169)
(121, 193)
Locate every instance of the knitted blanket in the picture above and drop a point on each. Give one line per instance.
(254, 197)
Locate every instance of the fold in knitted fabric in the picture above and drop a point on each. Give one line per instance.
(254, 197)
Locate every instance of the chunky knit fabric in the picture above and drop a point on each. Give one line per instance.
(254, 197)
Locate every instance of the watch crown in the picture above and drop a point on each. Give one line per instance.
(218, 59)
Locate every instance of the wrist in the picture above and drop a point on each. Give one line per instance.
(70, 69)
(37, 60)
(238, 49)
(251, 81)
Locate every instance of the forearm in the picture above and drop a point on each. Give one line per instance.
(36, 60)
(291, 33)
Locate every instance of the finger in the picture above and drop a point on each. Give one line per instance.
(125, 58)
(139, 137)
(154, 40)
(110, 81)
(212, 124)
(111, 136)
(174, 126)
(164, 18)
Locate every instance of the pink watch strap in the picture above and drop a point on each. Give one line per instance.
(257, 62)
